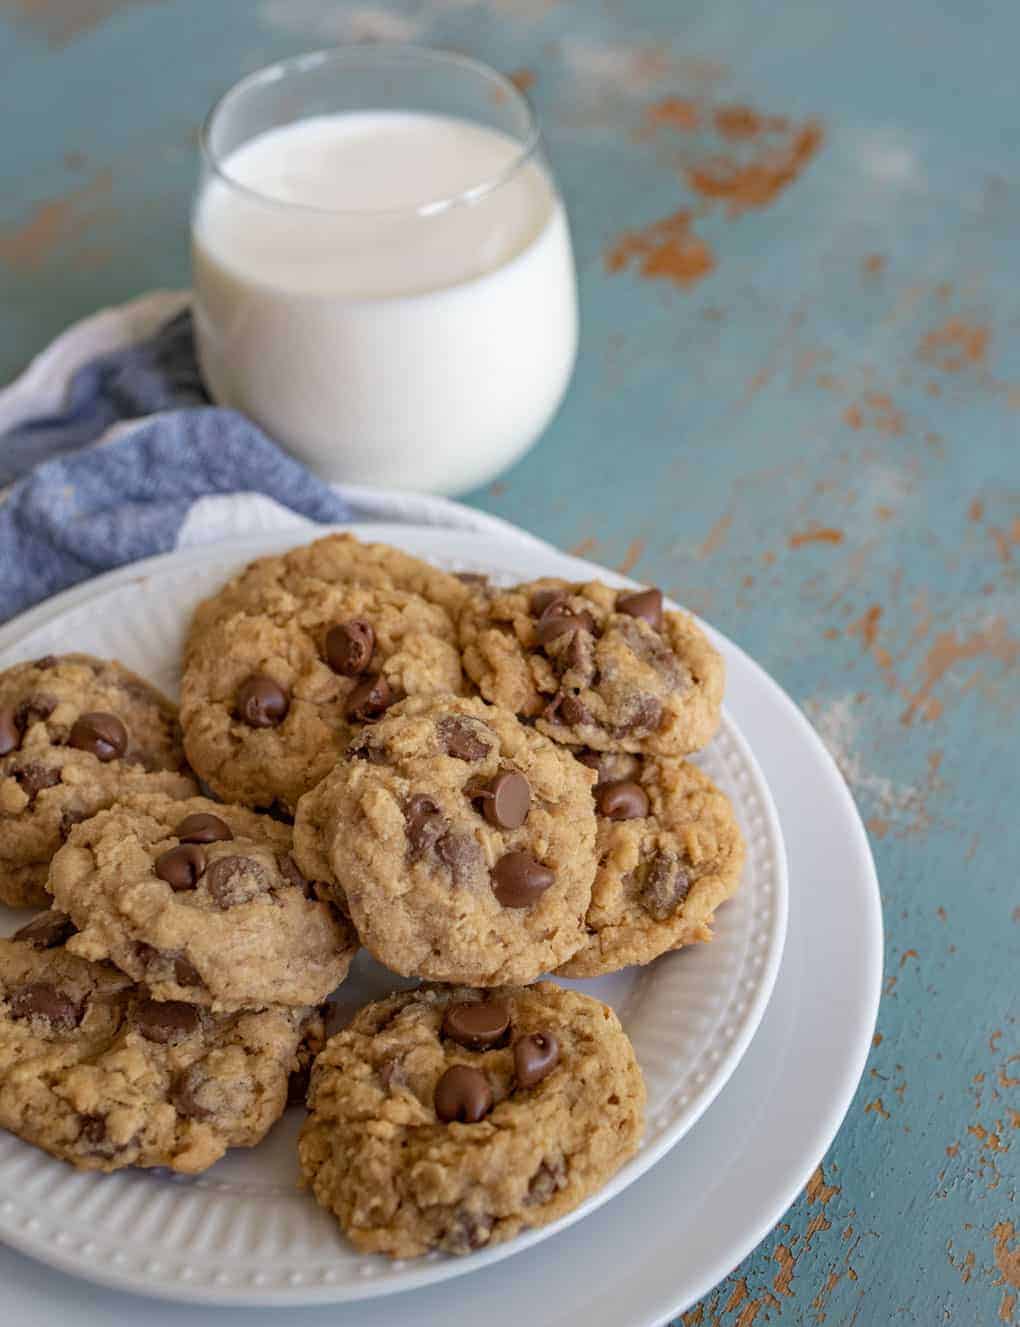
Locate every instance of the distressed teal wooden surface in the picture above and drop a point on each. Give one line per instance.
(814, 444)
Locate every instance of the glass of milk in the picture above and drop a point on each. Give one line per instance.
(382, 266)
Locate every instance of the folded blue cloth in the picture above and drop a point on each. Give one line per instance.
(78, 508)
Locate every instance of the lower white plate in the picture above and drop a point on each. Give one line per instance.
(242, 1233)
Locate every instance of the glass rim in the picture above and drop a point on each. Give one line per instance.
(348, 54)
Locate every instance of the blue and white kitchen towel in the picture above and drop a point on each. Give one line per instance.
(113, 453)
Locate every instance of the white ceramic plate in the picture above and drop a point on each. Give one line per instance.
(656, 1249)
(241, 1232)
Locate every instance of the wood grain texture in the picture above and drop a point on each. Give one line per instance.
(797, 409)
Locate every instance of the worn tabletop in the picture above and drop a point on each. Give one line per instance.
(797, 408)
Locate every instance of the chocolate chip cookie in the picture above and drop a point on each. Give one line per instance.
(593, 666)
(669, 853)
(454, 1119)
(95, 1071)
(273, 692)
(75, 732)
(337, 559)
(462, 840)
(202, 902)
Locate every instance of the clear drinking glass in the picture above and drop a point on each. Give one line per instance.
(388, 290)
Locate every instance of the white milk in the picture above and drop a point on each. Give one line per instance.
(380, 333)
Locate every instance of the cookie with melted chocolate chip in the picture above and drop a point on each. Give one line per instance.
(94, 1071)
(202, 902)
(670, 853)
(284, 666)
(75, 733)
(460, 841)
(455, 1118)
(594, 666)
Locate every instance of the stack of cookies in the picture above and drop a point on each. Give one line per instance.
(477, 785)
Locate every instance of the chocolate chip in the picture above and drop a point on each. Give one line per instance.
(425, 824)
(102, 735)
(184, 1093)
(459, 737)
(10, 732)
(542, 600)
(181, 867)
(472, 578)
(567, 709)
(94, 1139)
(506, 799)
(46, 931)
(68, 820)
(35, 709)
(92, 1133)
(622, 799)
(185, 973)
(463, 1094)
(557, 618)
(535, 1057)
(462, 854)
(291, 872)
(150, 957)
(645, 715)
(392, 1073)
(369, 700)
(645, 604)
(39, 999)
(203, 828)
(349, 646)
(362, 749)
(546, 1181)
(166, 1021)
(261, 702)
(234, 880)
(477, 1025)
(575, 712)
(467, 1231)
(580, 654)
(518, 880)
(652, 649)
(34, 778)
(665, 886)
(593, 759)
(47, 662)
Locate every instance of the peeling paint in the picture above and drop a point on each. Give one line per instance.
(634, 554)
(817, 535)
(877, 411)
(955, 345)
(60, 22)
(759, 157)
(716, 537)
(757, 183)
(668, 248)
(54, 226)
(947, 650)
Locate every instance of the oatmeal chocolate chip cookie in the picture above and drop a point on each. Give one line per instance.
(274, 692)
(669, 853)
(267, 585)
(95, 1071)
(594, 666)
(202, 902)
(463, 843)
(453, 1119)
(75, 732)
